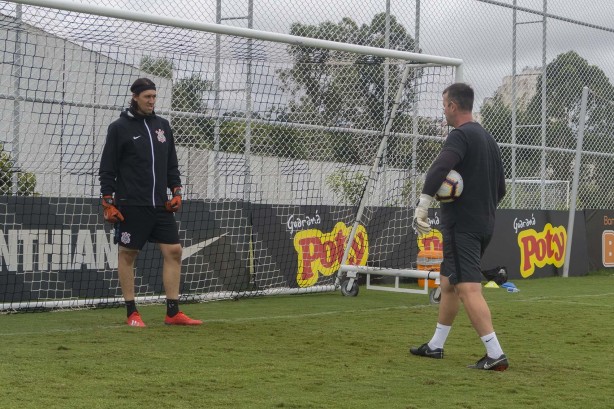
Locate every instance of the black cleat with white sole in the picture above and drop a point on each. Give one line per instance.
(491, 364)
(425, 350)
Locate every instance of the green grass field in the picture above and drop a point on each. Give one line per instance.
(317, 351)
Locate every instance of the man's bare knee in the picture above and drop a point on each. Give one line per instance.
(127, 255)
(171, 251)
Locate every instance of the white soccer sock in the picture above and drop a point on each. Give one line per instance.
(493, 348)
(440, 336)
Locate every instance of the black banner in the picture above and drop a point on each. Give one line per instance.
(600, 238)
(59, 248)
(531, 243)
(307, 242)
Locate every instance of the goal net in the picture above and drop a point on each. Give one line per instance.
(287, 147)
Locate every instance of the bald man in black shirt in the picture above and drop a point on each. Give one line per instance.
(467, 224)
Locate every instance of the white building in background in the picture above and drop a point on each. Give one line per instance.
(526, 87)
(57, 99)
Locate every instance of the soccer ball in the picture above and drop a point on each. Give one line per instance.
(451, 188)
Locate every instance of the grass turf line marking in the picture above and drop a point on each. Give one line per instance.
(221, 320)
(557, 299)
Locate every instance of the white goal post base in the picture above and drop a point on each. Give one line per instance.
(351, 273)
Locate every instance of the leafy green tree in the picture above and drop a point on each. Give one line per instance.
(497, 119)
(187, 97)
(566, 75)
(160, 67)
(349, 186)
(337, 88)
(26, 181)
(190, 126)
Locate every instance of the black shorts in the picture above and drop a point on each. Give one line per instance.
(142, 224)
(462, 256)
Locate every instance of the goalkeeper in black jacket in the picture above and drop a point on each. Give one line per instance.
(137, 169)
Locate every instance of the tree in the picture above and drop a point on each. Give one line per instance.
(337, 88)
(566, 75)
(26, 181)
(346, 90)
(347, 185)
(497, 119)
(160, 67)
(187, 97)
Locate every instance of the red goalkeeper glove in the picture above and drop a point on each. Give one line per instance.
(174, 205)
(111, 214)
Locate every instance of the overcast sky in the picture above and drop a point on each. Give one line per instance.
(477, 32)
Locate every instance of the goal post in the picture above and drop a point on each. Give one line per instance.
(244, 32)
(347, 277)
(298, 164)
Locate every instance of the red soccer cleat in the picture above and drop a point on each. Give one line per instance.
(181, 319)
(134, 320)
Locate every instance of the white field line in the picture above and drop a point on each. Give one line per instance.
(221, 320)
(561, 299)
(555, 299)
(318, 314)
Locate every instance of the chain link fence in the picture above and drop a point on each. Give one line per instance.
(527, 60)
(273, 135)
(510, 49)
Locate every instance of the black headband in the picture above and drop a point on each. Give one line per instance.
(143, 86)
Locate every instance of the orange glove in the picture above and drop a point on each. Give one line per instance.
(111, 214)
(174, 205)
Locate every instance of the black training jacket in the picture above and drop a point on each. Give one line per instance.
(139, 160)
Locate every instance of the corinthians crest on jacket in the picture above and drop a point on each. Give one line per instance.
(160, 135)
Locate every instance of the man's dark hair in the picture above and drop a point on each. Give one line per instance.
(461, 94)
(138, 86)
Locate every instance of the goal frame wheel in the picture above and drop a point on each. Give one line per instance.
(352, 292)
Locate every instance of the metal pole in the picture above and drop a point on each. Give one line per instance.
(217, 104)
(242, 32)
(543, 123)
(372, 176)
(459, 75)
(62, 122)
(576, 181)
(248, 141)
(248, 106)
(414, 125)
(385, 96)
(550, 16)
(94, 184)
(386, 66)
(514, 107)
(16, 71)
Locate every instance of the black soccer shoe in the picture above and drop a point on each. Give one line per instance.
(424, 350)
(491, 364)
(501, 277)
(497, 274)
